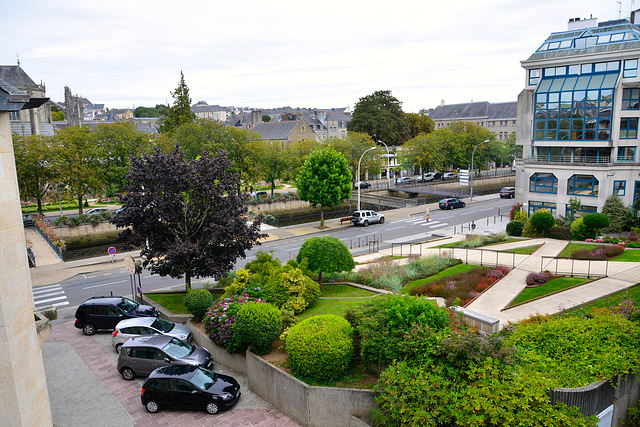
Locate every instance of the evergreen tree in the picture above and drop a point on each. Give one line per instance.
(618, 214)
(180, 113)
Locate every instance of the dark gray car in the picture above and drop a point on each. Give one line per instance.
(140, 356)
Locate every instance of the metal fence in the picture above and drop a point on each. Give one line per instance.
(46, 238)
(90, 252)
(476, 256)
(575, 267)
(371, 241)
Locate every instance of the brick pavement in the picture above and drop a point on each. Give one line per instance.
(127, 393)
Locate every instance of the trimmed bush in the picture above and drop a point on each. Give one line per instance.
(291, 290)
(320, 347)
(579, 231)
(542, 220)
(530, 231)
(601, 252)
(596, 221)
(514, 228)
(326, 255)
(220, 321)
(198, 302)
(559, 232)
(520, 216)
(258, 324)
(537, 279)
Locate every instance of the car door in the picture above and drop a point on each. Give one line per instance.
(158, 359)
(101, 317)
(140, 359)
(187, 395)
(113, 317)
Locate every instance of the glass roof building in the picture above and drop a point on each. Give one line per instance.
(578, 118)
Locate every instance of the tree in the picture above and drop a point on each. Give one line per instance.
(352, 148)
(57, 115)
(380, 116)
(596, 221)
(180, 112)
(619, 215)
(326, 255)
(419, 124)
(188, 215)
(542, 220)
(266, 118)
(324, 180)
(272, 160)
(159, 110)
(35, 166)
(79, 160)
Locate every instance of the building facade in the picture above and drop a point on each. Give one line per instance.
(499, 118)
(578, 118)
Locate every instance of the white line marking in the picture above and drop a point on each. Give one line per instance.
(396, 228)
(42, 288)
(104, 284)
(50, 299)
(60, 292)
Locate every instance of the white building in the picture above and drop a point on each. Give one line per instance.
(578, 118)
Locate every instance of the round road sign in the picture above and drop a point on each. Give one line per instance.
(111, 250)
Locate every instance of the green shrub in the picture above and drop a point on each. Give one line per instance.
(198, 302)
(530, 231)
(514, 228)
(320, 347)
(596, 221)
(559, 232)
(542, 220)
(326, 255)
(520, 216)
(258, 324)
(618, 214)
(291, 290)
(579, 231)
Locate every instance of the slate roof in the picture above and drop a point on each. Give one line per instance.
(475, 110)
(338, 116)
(15, 76)
(275, 130)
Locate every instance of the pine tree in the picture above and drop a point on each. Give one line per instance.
(180, 112)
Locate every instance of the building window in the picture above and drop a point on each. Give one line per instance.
(583, 185)
(534, 77)
(626, 154)
(536, 206)
(14, 115)
(583, 211)
(543, 183)
(619, 188)
(630, 99)
(628, 128)
(630, 68)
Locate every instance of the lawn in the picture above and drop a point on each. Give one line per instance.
(572, 247)
(343, 291)
(629, 255)
(553, 285)
(332, 306)
(173, 302)
(460, 268)
(527, 250)
(614, 299)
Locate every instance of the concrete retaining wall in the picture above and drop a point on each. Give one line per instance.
(486, 325)
(81, 230)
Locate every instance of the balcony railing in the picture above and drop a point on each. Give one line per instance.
(577, 159)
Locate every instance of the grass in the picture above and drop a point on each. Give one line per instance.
(613, 299)
(343, 291)
(572, 247)
(553, 285)
(629, 255)
(528, 250)
(171, 301)
(460, 268)
(331, 306)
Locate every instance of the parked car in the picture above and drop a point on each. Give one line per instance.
(144, 326)
(450, 175)
(27, 220)
(105, 313)
(259, 194)
(366, 217)
(403, 179)
(507, 192)
(451, 203)
(189, 387)
(362, 184)
(141, 356)
(426, 177)
(97, 211)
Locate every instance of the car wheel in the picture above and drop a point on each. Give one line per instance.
(152, 406)
(513, 195)
(212, 408)
(88, 329)
(463, 205)
(382, 220)
(450, 207)
(118, 348)
(365, 223)
(128, 374)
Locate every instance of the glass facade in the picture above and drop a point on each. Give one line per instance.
(619, 188)
(630, 99)
(543, 183)
(536, 206)
(583, 185)
(576, 106)
(628, 128)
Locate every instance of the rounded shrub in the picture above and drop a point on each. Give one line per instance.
(320, 347)
(596, 221)
(198, 302)
(542, 220)
(514, 228)
(292, 290)
(520, 216)
(326, 255)
(579, 231)
(258, 324)
(530, 231)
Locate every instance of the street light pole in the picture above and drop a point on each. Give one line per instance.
(359, 185)
(388, 165)
(472, 173)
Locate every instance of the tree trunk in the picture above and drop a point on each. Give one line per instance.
(187, 281)
(80, 204)
(321, 216)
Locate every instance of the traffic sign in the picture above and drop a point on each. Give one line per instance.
(111, 250)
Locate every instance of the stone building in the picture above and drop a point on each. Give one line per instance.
(499, 118)
(578, 118)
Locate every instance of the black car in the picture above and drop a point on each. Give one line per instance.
(451, 203)
(507, 192)
(189, 387)
(27, 220)
(362, 184)
(105, 313)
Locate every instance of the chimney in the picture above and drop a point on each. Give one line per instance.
(577, 23)
(442, 102)
(635, 17)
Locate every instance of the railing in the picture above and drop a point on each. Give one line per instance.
(371, 241)
(489, 257)
(46, 238)
(568, 266)
(575, 159)
(89, 252)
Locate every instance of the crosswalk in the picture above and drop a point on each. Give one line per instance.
(421, 221)
(49, 295)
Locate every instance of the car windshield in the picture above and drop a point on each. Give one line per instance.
(203, 378)
(178, 349)
(127, 305)
(162, 325)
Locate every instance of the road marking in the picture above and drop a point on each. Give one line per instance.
(42, 289)
(104, 284)
(49, 291)
(444, 224)
(41, 295)
(430, 223)
(44, 301)
(395, 228)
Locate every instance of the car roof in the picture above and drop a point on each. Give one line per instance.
(103, 300)
(148, 341)
(136, 321)
(173, 371)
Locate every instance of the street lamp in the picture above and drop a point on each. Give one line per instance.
(388, 165)
(472, 174)
(360, 183)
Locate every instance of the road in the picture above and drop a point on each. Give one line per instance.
(67, 295)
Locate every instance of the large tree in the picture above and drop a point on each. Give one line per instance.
(180, 112)
(35, 166)
(380, 116)
(187, 215)
(324, 180)
(352, 148)
(419, 124)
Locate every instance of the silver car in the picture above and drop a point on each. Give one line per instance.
(141, 356)
(143, 326)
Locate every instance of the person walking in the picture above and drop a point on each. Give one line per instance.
(427, 214)
(473, 225)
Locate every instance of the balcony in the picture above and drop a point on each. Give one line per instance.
(599, 160)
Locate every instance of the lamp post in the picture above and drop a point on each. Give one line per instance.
(359, 185)
(388, 165)
(472, 173)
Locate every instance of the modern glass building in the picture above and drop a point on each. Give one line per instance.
(578, 118)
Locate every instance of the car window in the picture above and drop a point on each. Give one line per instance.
(133, 330)
(157, 354)
(138, 352)
(162, 325)
(368, 213)
(203, 378)
(127, 305)
(113, 311)
(178, 349)
(182, 385)
(147, 331)
(161, 383)
(100, 310)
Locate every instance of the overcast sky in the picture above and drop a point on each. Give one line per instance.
(264, 54)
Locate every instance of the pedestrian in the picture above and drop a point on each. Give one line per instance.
(427, 214)
(473, 225)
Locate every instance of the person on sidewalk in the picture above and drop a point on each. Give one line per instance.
(473, 225)
(427, 214)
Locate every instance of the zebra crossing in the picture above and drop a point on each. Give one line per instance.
(49, 295)
(421, 221)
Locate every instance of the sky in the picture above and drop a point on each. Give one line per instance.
(301, 54)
